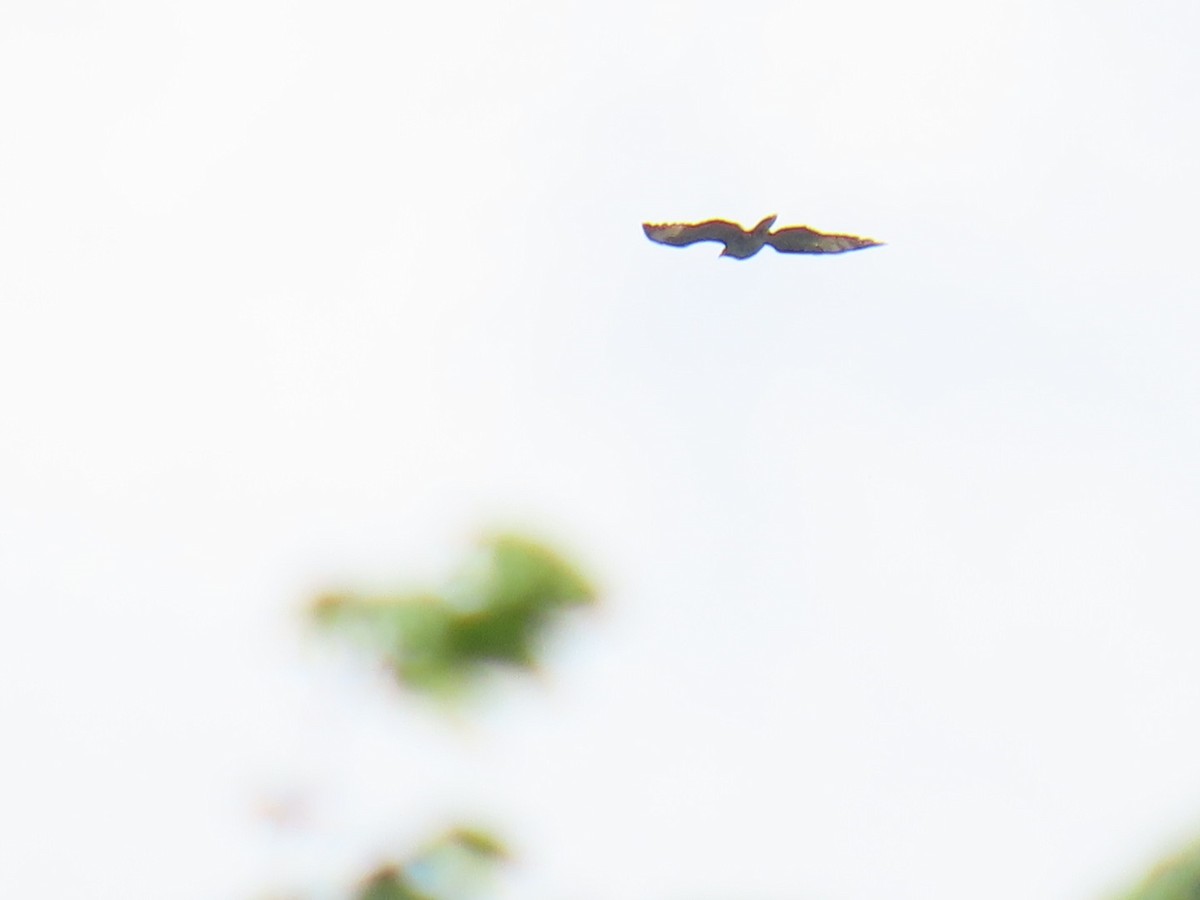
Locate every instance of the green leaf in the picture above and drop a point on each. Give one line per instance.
(495, 612)
(389, 883)
(1177, 878)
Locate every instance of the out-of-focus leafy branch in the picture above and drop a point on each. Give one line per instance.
(1175, 878)
(496, 611)
(451, 866)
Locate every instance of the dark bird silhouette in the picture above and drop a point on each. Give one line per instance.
(742, 244)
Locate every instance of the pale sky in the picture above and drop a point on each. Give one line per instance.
(897, 548)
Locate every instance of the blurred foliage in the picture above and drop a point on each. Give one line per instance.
(452, 867)
(496, 611)
(388, 883)
(1176, 878)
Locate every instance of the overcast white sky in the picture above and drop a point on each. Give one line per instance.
(898, 547)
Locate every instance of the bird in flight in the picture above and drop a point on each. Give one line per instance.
(742, 244)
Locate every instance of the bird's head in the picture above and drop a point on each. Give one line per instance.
(761, 229)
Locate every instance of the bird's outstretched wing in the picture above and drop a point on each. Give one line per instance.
(681, 235)
(805, 240)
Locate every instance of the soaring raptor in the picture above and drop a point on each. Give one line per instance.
(742, 244)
